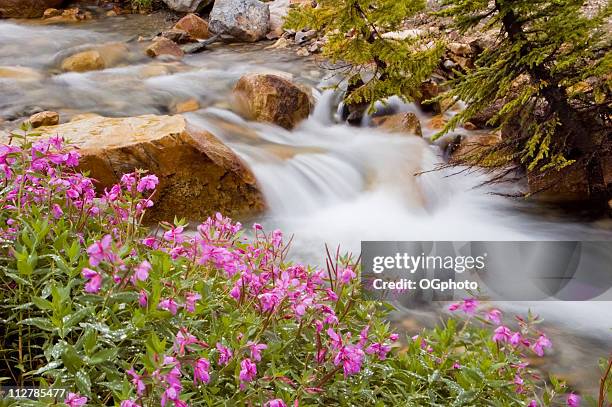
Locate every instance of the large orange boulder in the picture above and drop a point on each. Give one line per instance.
(273, 99)
(199, 175)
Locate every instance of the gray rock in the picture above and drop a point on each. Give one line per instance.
(187, 6)
(240, 20)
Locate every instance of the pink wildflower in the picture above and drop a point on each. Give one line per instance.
(276, 403)
(256, 349)
(379, 350)
(143, 298)
(540, 344)
(100, 251)
(201, 371)
(501, 334)
(75, 400)
(148, 182)
(57, 211)
(494, 316)
(573, 400)
(190, 301)
(248, 371)
(225, 354)
(347, 275)
(351, 357)
(129, 403)
(137, 382)
(168, 304)
(95, 280)
(141, 272)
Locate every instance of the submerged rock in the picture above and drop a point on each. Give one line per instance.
(399, 123)
(198, 174)
(194, 26)
(273, 99)
(187, 6)
(469, 149)
(163, 46)
(240, 20)
(83, 62)
(46, 118)
(26, 8)
(20, 73)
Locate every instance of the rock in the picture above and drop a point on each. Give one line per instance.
(302, 52)
(187, 6)
(470, 147)
(460, 49)
(190, 105)
(280, 43)
(399, 123)
(26, 8)
(111, 13)
(51, 12)
(175, 35)
(20, 73)
(83, 62)
(70, 15)
(241, 20)
(198, 174)
(46, 118)
(429, 90)
(437, 122)
(163, 46)
(570, 184)
(403, 34)
(303, 36)
(273, 99)
(278, 12)
(194, 26)
(469, 126)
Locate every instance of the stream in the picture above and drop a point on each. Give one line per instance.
(324, 182)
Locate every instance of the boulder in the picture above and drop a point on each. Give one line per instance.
(51, 12)
(83, 62)
(399, 123)
(271, 98)
(429, 90)
(468, 149)
(187, 6)
(240, 20)
(194, 26)
(189, 105)
(26, 8)
(198, 174)
(278, 12)
(570, 184)
(46, 118)
(163, 46)
(20, 73)
(175, 35)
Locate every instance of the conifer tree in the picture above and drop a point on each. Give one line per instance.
(376, 62)
(552, 66)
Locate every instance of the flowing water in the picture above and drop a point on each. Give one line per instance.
(325, 182)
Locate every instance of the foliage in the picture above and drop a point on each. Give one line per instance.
(93, 302)
(377, 62)
(550, 65)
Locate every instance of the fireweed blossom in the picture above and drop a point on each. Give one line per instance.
(100, 251)
(573, 400)
(350, 357)
(248, 371)
(276, 403)
(225, 354)
(75, 400)
(468, 305)
(94, 282)
(502, 334)
(201, 371)
(540, 344)
(494, 316)
(169, 305)
(190, 301)
(129, 403)
(256, 349)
